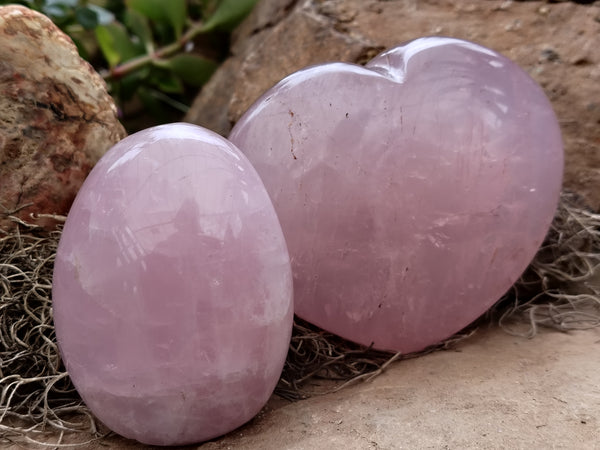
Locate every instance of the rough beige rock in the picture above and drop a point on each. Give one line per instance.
(56, 117)
(276, 40)
(494, 391)
(557, 43)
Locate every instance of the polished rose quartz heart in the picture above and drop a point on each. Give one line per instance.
(412, 192)
(172, 288)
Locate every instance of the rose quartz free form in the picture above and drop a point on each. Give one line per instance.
(172, 288)
(412, 192)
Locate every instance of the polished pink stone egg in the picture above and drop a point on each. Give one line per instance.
(412, 192)
(172, 288)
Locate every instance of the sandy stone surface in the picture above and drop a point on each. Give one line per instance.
(492, 391)
(556, 43)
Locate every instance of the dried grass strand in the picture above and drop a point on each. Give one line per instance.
(36, 394)
(561, 287)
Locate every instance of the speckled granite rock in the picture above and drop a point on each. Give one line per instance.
(56, 117)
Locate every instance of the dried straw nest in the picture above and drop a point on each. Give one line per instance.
(560, 289)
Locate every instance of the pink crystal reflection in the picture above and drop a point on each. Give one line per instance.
(413, 192)
(172, 288)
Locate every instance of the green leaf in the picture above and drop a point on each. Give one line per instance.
(159, 105)
(104, 16)
(67, 3)
(166, 81)
(170, 101)
(107, 46)
(30, 3)
(152, 9)
(171, 84)
(150, 102)
(59, 13)
(229, 14)
(172, 13)
(176, 12)
(115, 43)
(192, 69)
(87, 18)
(208, 7)
(130, 84)
(83, 52)
(139, 25)
(90, 16)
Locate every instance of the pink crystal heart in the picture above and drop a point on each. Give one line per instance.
(412, 192)
(172, 288)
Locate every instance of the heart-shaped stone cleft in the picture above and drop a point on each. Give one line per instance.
(412, 192)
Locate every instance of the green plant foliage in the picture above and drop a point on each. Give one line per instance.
(170, 14)
(68, 12)
(116, 43)
(140, 27)
(192, 69)
(152, 53)
(228, 14)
